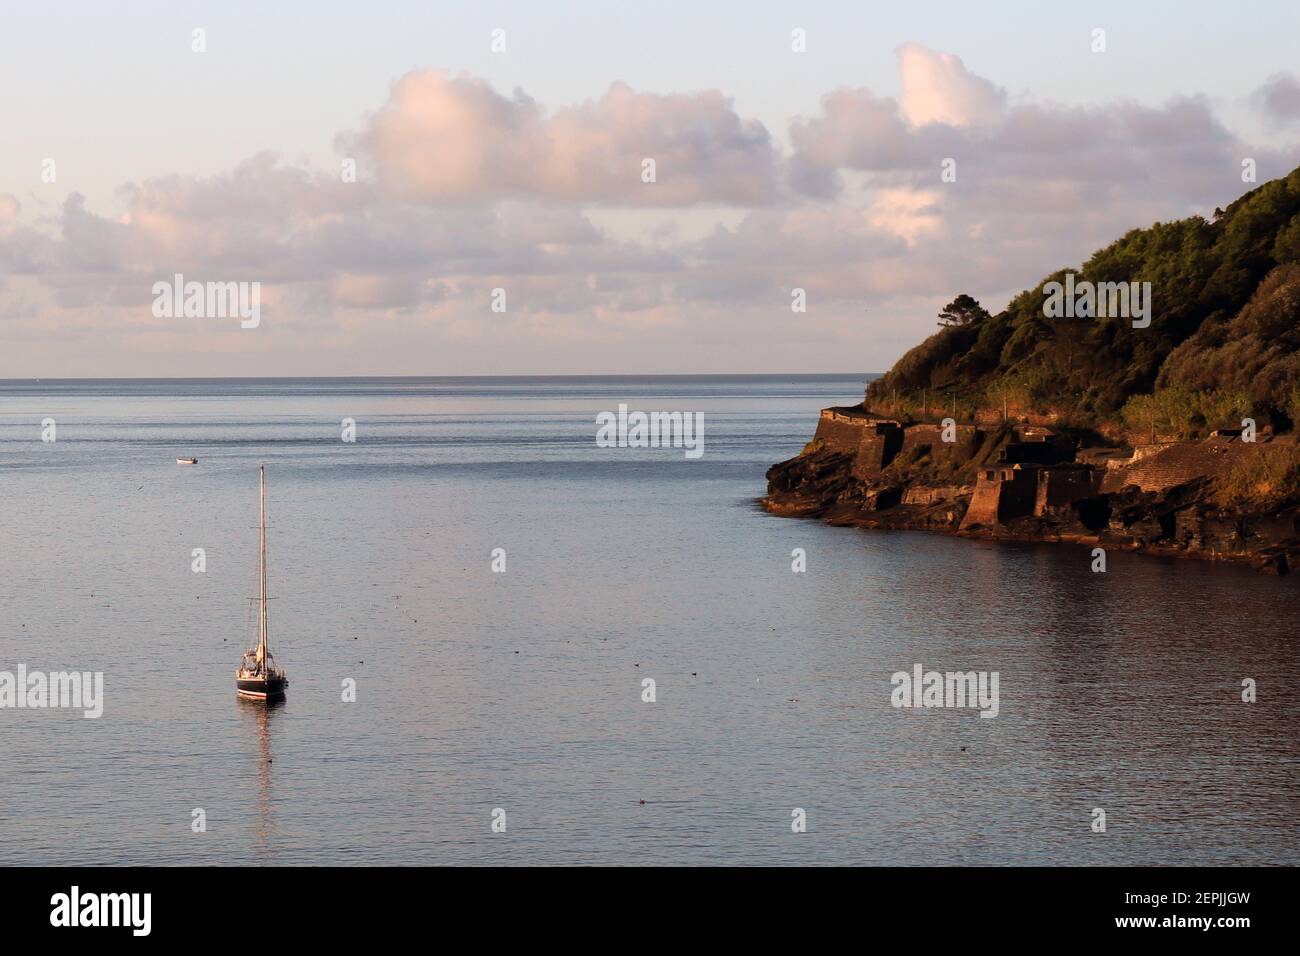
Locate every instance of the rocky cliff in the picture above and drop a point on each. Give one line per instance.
(1226, 497)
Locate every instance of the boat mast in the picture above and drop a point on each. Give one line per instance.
(261, 565)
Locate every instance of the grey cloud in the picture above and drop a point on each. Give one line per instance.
(1279, 98)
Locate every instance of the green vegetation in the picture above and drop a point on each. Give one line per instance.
(1224, 338)
(1178, 412)
(1270, 477)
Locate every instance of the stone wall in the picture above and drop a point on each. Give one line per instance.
(1002, 494)
(878, 447)
(839, 433)
(1060, 486)
(920, 439)
(918, 495)
(873, 442)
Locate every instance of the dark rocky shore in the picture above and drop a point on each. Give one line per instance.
(1034, 482)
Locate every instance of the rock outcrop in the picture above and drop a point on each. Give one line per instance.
(1030, 482)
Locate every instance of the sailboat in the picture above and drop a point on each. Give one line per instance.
(258, 677)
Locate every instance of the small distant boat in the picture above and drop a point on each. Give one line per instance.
(258, 677)
(187, 461)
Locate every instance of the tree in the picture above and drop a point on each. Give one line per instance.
(1287, 246)
(963, 310)
(1007, 391)
(1142, 412)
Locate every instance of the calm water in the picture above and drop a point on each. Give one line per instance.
(522, 690)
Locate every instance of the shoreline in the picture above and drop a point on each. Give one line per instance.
(848, 517)
(1034, 483)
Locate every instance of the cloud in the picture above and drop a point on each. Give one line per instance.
(377, 291)
(464, 189)
(441, 138)
(937, 88)
(1279, 98)
(856, 130)
(1130, 161)
(8, 212)
(22, 248)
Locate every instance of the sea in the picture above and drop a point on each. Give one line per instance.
(509, 644)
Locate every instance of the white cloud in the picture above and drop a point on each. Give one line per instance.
(937, 88)
(441, 138)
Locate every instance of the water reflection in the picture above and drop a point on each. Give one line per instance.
(257, 717)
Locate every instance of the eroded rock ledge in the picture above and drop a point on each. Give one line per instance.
(1033, 482)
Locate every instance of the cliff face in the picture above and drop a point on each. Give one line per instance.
(1034, 483)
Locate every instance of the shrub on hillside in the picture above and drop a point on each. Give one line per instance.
(1269, 476)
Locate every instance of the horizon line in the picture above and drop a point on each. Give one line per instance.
(278, 378)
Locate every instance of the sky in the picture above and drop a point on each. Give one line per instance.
(441, 189)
